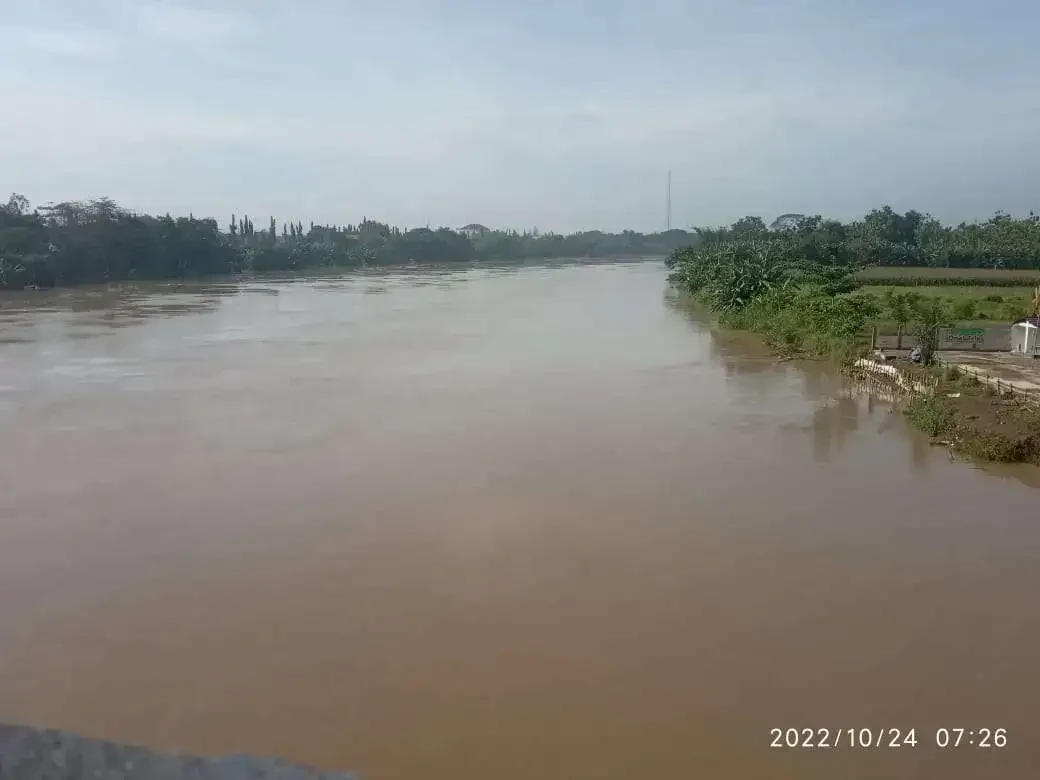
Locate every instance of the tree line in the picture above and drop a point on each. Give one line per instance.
(795, 280)
(98, 241)
(884, 237)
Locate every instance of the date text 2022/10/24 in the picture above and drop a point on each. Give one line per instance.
(880, 738)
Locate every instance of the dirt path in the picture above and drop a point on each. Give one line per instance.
(1021, 373)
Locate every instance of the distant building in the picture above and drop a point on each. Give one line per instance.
(473, 230)
(1025, 337)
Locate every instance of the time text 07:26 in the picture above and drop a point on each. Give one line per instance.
(879, 738)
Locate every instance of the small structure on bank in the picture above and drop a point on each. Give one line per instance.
(474, 230)
(1025, 334)
(1025, 337)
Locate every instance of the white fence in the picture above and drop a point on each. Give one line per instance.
(1002, 386)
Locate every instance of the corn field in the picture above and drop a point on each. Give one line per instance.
(887, 276)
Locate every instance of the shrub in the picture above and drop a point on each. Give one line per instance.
(997, 447)
(930, 415)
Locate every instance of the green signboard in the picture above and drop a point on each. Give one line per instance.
(969, 332)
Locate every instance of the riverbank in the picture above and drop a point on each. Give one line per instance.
(976, 418)
(972, 417)
(818, 311)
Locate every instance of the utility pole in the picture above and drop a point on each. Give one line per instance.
(668, 203)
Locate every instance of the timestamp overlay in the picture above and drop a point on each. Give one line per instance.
(879, 738)
(924, 750)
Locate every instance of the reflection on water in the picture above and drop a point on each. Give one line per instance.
(84, 314)
(845, 403)
(450, 523)
(833, 424)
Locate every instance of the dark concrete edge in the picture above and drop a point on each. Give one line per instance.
(28, 753)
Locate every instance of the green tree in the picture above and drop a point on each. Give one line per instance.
(899, 307)
(748, 227)
(17, 205)
(787, 222)
(929, 314)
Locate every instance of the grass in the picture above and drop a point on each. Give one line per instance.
(978, 291)
(971, 306)
(976, 296)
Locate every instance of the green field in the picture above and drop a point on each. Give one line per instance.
(977, 291)
(975, 296)
(907, 276)
(972, 306)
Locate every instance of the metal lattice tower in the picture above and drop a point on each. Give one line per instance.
(668, 203)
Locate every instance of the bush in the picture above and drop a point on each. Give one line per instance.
(930, 415)
(998, 448)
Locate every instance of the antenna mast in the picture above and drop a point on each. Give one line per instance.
(668, 203)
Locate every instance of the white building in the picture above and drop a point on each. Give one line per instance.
(1025, 337)
(474, 230)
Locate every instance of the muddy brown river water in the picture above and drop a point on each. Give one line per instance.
(492, 524)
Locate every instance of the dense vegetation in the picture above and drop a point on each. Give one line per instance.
(98, 241)
(800, 284)
(790, 285)
(798, 281)
(886, 238)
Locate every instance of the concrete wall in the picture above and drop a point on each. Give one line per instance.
(994, 338)
(892, 341)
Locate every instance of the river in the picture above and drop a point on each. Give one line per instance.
(504, 523)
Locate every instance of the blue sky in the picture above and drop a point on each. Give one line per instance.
(562, 115)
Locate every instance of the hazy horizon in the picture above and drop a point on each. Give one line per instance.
(560, 116)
